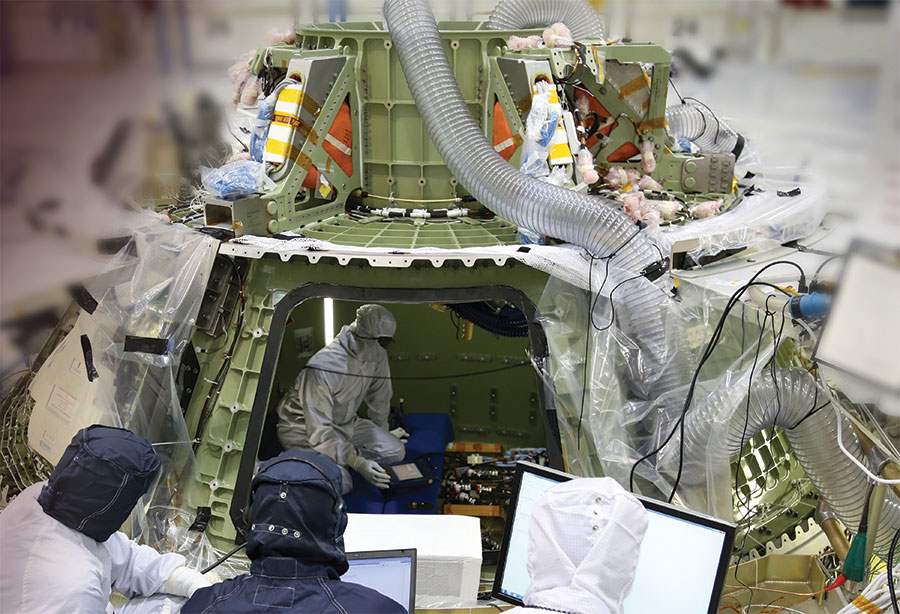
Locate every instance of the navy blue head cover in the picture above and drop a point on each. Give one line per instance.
(297, 510)
(99, 479)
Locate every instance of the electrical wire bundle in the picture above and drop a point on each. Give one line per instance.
(881, 592)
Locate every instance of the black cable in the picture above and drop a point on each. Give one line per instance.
(890, 572)
(718, 122)
(742, 327)
(762, 330)
(592, 301)
(776, 340)
(587, 349)
(775, 343)
(676, 90)
(422, 377)
(217, 381)
(825, 262)
(794, 244)
(747, 517)
(812, 412)
(612, 306)
(690, 397)
(234, 550)
(802, 281)
(591, 305)
(711, 344)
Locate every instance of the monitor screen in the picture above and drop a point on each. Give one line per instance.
(515, 576)
(674, 541)
(675, 538)
(391, 573)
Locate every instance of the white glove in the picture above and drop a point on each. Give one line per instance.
(372, 471)
(184, 581)
(166, 606)
(400, 433)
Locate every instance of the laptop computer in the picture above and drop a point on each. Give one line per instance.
(390, 572)
(676, 538)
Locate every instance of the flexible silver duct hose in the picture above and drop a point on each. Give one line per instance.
(814, 442)
(702, 127)
(588, 221)
(581, 19)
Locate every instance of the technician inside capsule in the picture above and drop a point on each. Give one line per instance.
(320, 411)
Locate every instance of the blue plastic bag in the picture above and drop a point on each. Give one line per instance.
(236, 179)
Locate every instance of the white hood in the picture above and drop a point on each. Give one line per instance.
(374, 321)
(585, 537)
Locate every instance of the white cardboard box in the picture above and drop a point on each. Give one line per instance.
(448, 551)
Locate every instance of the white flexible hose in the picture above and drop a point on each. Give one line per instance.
(839, 413)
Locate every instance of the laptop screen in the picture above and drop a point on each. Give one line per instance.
(675, 539)
(390, 572)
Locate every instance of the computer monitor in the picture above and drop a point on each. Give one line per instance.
(390, 572)
(675, 539)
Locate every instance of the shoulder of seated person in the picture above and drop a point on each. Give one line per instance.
(372, 596)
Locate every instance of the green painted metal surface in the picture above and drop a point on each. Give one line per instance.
(450, 234)
(393, 156)
(425, 344)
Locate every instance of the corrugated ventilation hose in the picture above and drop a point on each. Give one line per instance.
(599, 227)
(581, 19)
(704, 128)
(784, 402)
(591, 222)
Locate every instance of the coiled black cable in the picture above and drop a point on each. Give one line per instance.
(507, 322)
(890, 572)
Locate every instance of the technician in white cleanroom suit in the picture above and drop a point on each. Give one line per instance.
(320, 411)
(584, 540)
(62, 551)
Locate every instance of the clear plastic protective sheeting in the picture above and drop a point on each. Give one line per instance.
(617, 417)
(608, 426)
(763, 215)
(158, 307)
(539, 130)
(172, 532)
(147, 305)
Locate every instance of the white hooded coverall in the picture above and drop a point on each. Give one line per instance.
(584, 540)
(320, 411)
(49, 568)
